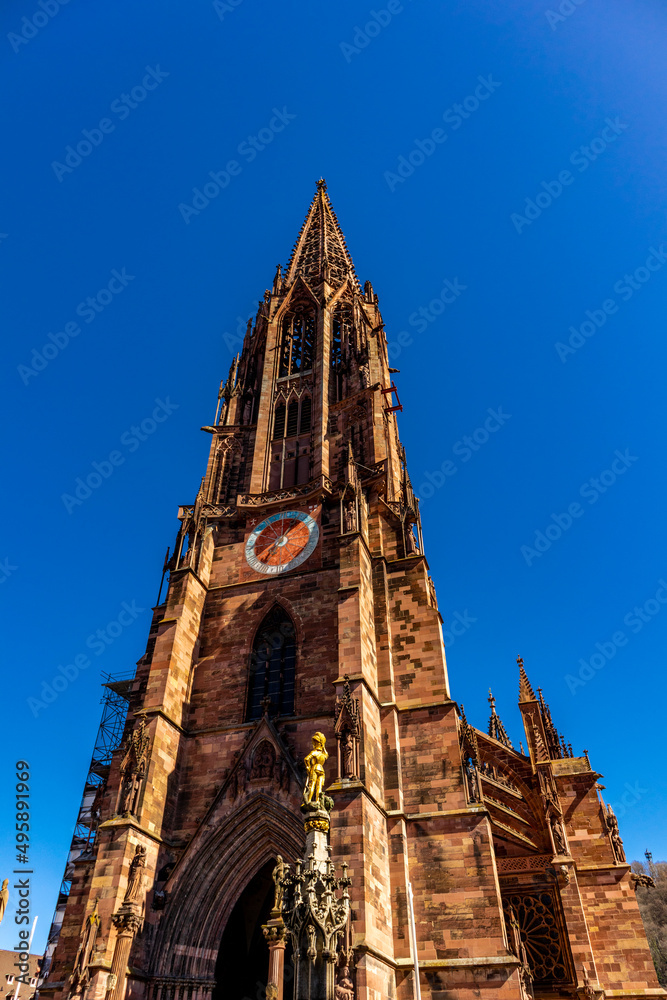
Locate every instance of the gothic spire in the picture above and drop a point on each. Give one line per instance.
(320, 252)
(526, 692)
(496, 727)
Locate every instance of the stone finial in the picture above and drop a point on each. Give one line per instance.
(496, 728)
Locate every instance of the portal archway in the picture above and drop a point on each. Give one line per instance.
(243, 960)
(207, 886)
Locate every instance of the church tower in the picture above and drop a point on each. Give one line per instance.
(299, 601)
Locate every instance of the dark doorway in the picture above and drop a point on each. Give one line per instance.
(242, 967)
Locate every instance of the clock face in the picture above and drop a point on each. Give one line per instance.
(282, 542)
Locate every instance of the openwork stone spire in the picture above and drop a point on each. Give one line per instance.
(320, 252)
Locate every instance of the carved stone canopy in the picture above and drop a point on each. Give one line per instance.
(347, 728)
(264, 762)
(133, 768)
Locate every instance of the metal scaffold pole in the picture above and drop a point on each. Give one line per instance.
(109, 735)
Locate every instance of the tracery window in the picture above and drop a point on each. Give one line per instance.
(291, 448)
(271, 672)
(540, 924)
(341, 331)
(298, 344)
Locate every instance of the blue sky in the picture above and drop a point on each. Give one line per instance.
(535, 199)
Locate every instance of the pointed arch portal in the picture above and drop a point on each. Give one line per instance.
(220, 896)
(243, 959)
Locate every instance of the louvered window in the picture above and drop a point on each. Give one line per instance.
(306, 406)
(279, 421)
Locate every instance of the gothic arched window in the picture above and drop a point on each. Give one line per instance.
(298, 344)
(272, 666)
(291, 448)
(341, 335)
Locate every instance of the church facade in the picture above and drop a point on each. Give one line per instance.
(300, 609)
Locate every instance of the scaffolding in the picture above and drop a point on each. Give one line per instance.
(114, 703)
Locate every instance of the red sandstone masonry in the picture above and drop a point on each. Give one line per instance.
(360, 607)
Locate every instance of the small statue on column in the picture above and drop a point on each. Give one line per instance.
(473, 780)
(316, 902)
(350, 516)
(127, 920)
(614, 835)
(559, 837)
(133, 770)
(347, 729)
(411, 547)
(344, 989)
(135, 876)
(278, 873)
(89, 933)
(347, 754)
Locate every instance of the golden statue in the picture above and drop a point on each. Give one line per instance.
(4, 898)
(314, 762)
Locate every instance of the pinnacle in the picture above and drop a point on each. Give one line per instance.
(526, 692)
(496, 728)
